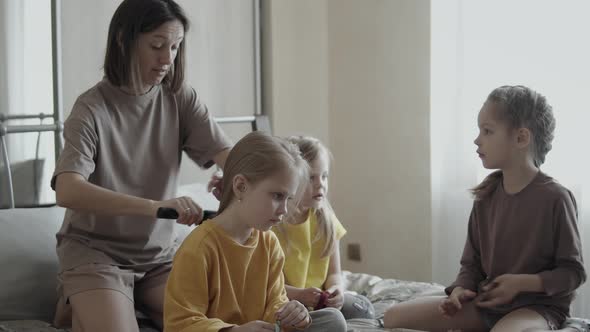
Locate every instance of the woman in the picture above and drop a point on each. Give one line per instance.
(123, 143)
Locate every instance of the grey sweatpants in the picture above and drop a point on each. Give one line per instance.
(334, 320)
(357, 306)
(327, 320)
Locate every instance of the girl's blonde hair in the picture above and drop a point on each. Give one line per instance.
(258, 156)
(521, 107)
(311, 149)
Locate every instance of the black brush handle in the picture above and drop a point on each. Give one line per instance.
(167, 213)
(209, 214)
(170, 213)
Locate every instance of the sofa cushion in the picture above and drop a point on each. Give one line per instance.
(29, 262)
(27, 180)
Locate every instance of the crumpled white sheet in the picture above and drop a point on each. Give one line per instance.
(381, 292)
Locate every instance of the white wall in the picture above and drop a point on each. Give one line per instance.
(354, 74)
(295, 67)
(471, 55)
(219, 31)
(85, 25)
(377, 117)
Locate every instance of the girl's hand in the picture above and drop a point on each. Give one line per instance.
(293, 315)
(309, 296)
(215, 185)
(254, 326)
(453, 304)
(189, 212)
(335, 299)
(501, 290)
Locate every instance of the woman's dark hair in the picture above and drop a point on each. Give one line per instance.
(132, 18)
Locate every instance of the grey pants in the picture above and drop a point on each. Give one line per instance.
(357, 306)
(334, 320)
(327, 320)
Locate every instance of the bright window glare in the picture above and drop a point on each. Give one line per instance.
(480, 45)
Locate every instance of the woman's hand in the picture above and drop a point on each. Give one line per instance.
(189, 212)
(293, 315)
(453, 304)
(335, 299)
(215, 185)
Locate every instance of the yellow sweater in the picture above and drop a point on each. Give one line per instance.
(216, 282)
(304, 266)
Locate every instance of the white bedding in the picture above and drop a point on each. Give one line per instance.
(382, 292)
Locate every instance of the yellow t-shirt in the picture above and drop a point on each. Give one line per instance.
(216, 282)
(304, 266)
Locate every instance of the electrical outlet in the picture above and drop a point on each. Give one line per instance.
(354, 252)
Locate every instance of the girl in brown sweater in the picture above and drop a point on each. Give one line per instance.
(522, 260)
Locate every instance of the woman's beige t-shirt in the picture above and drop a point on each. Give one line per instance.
(131, 145)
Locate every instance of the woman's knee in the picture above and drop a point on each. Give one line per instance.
(103, 310)
(63, 313)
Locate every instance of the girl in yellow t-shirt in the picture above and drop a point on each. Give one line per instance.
(227, 275)
(310, 240)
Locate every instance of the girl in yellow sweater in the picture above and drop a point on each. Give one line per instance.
(227, 275)
(311, 242)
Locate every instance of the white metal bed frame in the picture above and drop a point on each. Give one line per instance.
(257, 121)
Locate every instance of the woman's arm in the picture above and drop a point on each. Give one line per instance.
(221, 157)
(215, 185)
(73, 191)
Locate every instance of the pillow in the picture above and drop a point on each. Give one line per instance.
(29, 262)
(27, 177)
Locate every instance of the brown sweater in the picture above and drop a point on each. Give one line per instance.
(531, 232)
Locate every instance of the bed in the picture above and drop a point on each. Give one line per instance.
(30, 266)
(29, 261)
(27, 227)
(27, 255)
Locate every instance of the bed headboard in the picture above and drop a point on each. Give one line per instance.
(256, 122)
